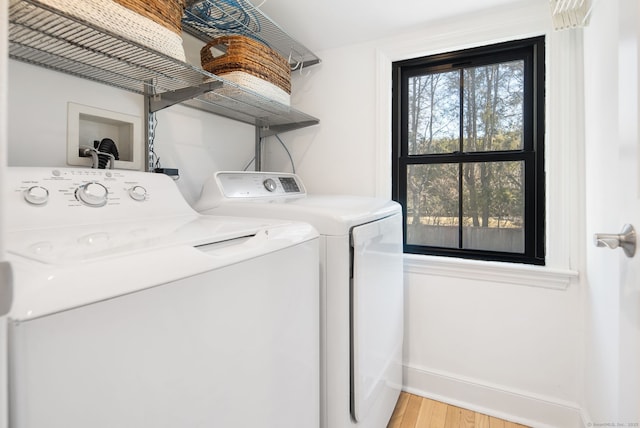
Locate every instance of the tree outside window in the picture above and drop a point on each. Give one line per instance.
(468, 152)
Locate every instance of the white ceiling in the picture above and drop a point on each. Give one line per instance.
(325, 24)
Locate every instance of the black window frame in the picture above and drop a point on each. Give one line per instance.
(532, 51)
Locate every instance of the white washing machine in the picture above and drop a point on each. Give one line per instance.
(132, 310)
(361, 285)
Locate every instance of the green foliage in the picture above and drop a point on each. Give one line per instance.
(471, 110)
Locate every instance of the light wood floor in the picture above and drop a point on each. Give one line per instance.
(413, 411)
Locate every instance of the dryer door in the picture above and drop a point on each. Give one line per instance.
(376, 315)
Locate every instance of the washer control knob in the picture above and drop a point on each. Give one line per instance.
(138, 193)
(269, 184)
(36, 195)
(92, 194)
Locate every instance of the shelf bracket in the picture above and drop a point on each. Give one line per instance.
(258, 150)
(161, 101)
(279, 129)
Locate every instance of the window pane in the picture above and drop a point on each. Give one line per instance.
(434, 113)
(432, 205)
(493, 107)
(493, 206)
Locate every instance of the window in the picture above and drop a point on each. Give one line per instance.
(468, 152)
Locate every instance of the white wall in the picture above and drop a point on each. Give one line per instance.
(38, 111)
(339, 155)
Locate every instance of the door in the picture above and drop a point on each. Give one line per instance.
(5, 268)
(6, 280)
(612, 184)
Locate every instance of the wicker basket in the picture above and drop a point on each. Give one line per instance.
(120, 20)
(246, 55)
(167, 13)
(246, 81)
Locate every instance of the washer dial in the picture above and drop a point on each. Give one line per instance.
(36, 195)
(92, 194)
(138, 193)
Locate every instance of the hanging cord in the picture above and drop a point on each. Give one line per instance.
(253, 159)
(154, 160)
(293, 166)
(86, 151)
(225, 17)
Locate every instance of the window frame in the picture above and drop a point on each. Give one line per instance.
(532, 52)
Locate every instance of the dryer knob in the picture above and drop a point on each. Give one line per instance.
(36, 195)
(138, 193)
(92, 194)
(269, 184)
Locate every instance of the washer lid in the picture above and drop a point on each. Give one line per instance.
(94, 242)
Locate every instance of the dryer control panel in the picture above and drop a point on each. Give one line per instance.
(259, 184)
(249, 185)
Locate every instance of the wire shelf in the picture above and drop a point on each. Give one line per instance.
(206, 19)
(271, 118)
(50, 38)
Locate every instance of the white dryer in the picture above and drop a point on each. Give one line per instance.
(361, 285)
(132, 310)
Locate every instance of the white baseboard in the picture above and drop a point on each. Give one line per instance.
(516, 406)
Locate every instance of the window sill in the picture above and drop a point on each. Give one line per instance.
(509, 273)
